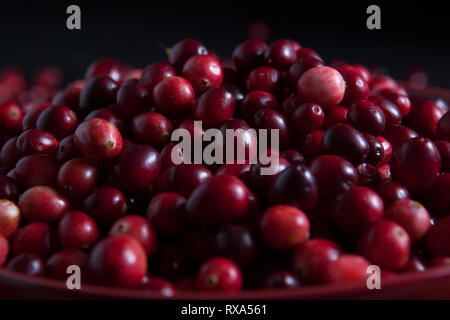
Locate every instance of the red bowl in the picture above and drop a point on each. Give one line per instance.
(431, 284)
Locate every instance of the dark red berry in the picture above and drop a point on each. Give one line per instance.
(367, 116)
(248, 55)
(98, 92)
(173, 97)
(105, 205)
(203, 72)
(219, 274)
(77, 230)
(154, 73)
(37, 238)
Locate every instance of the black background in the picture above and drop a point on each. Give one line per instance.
(413, 34)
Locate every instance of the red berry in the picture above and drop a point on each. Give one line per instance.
(8, 189)
(67, 149)
(397, 134)
(77, 230)
(256, 100)
(155, 73)
(57, 120)
(36, 141)
(248, 55)
(391, 191)
(11, 116)
(219, 274)
(77, 177)
(106, 66)
(37, 238)
(163, 287)
(391, 112)
(306, 118)
(214, 107)
(9, 217)
(356, 88)
(444, 151)
(174, 97)
(105, 205)
(280, 54)
(166, 212)
(57, 265)
(184, 178)
(31, 116)
(433, 199)
(348, 268)
(27, 263)
(443, 127)
(203, 72)
(183, 50)
(299, 67)
(4, 250)
(280, 280)
(265, 79)
(271, 119)
(151, 128)
(424, 118)
(36, 170)
(98, 92)
(367, 116)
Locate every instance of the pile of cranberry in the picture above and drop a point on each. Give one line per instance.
(87, 177)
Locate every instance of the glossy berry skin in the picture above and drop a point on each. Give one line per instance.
(37, 238)
(295, 186)
(280, 280)
(443, 127)
(270, 119)
(183, 50)
(214, 107)
(70, 96)
(304, 52)
(356, 89)
(311, 258)
(136, 168)
(416, 164)
(41, 203)
(9, 217)
(411, 215)
(4, 250)
(280, 55)
(368, 175)
(60, 121)
(118, 261)
(293, 156)
(249, 55)
(424, 118)
(348, 268)
(391, 191)
(298, 68)
(35, 170)
(333, 174)
(36, 141)
(266, 79)
(307, 117)
(283, 227)
(98, 92)
(166, 212)
(436, 239)
(203, 72)
(387, 149)
(31, 116)
(11, 116)
(132, 99)
(345, 141)
(77, 177)
(401, 101)
(8, 189)
(98, 139)
(108, 115)
(256, 100)
(398, 134)
(138, 228)
(77, 230)
(106, 66)
(322, 85)
(154, 73)
(435, 202)
(391, 112)
(244, 137)
(219, 274)
(226, 193)
(444, 151)
(67, 149)
(259, 182)
(386, 244)
(356, 209)
(27, 263)
(57, 264)
(105, 205)
(159, 285)
(151, 128)
(184, 178)
(367, 116)
(376, 150)
(9, 153)
(174, 97)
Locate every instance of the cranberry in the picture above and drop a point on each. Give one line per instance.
(234, 169)
(119, 261)
(57, 120)
(436, 203)
(69, 97)
(356, 89)
(261, 183)
(36, 141)
(348, 268)
(271, 119)
(322, 85)
(416, 164)
(77, 177)
(184, 178)
(4, 250)
(67, 149)
(203, 72)
(9, 217)
(280, 55)
(77, 230)
(387, 150)
(411, 215)
(172, 262)
(381, 82)
(31, 116)
(244, 141)
(444, 151)
(106, 66)
(311, 258)
(296, 186)
(183, 50)
(266, 79)
(356, 209)
(98, 139)
(8, 189)
(219, 274)
(311, 144)
(42, 203)
(307, 117)
(398, 134)
(443, 127)
(155, 73)
(237, 243)
(132, 99)
(214, 107)
(367, 116)
(166, 212)
(105, 205)
(249, 55)
(424, 118)
(226, 193)
(280, 280)
(108, 115)
(173, 97)
(37, 238)
(11, 116)
(345, 141)
(138, 228)
(151, 128)
(436, 239)
(307, 52)
(368, 175)
(56, 266)
(98, 92)
(298, 68)
(284, 227)
(27, 263)
(163, 287)
(256, 100)
(391, 112)
(376, 150)
(386, 244)
(9, 153)
(35, 170)
(391, 191)
(401, 101)
(166, 155)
